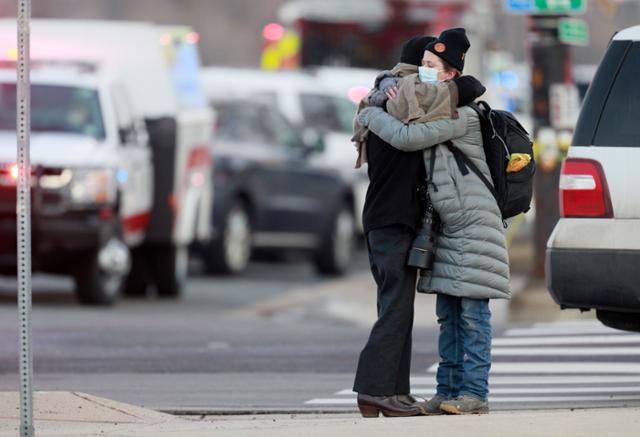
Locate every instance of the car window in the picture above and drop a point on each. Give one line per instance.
(619, 125)
(326, 112)
(610, 110)
(240, 124)
(319, 112)
(345, 110)
(278, 129)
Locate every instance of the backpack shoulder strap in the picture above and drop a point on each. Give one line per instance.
(463, 161)
(432, 166)
(476, 108)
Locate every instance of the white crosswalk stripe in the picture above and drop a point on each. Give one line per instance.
(548, 364)
(582, 340)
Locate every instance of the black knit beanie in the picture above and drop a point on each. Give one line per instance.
(452, 46)
(413, 49)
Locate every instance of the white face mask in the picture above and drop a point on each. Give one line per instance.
(428, 74)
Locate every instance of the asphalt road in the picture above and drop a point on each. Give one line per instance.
(222, 349)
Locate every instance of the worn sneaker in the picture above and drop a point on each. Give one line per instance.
(432, 406)
(465, 404)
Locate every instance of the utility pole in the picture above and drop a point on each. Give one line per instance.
(551, 64)
(23, 212)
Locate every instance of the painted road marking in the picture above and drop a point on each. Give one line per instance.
(561, 367)
(565, 351)
(542, 341)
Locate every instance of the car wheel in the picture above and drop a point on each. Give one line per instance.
(95, 285)
(617, 320)
(336, 250)
(170, 270)
(231, 251)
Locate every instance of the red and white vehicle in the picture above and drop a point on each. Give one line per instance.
(120, 152)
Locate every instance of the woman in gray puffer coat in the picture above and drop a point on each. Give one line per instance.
(471, 262)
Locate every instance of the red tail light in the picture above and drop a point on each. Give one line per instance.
(583, 189)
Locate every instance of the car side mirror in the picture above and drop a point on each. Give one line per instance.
(126, 134)
(133, 135)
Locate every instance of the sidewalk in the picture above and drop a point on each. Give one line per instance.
(64, 414)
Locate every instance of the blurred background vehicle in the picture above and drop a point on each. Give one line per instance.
(270, 196)
(121, 166)
(323, 116)
(593, 253)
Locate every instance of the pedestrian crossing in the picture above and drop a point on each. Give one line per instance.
(565, 364)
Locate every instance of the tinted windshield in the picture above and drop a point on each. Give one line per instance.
(55, 109)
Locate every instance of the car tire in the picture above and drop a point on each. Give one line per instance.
(337, 246)
(170, 270)
(618, 320)
(230, 252)
(138, 278)
(95, 286)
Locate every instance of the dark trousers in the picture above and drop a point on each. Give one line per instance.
(385, 361)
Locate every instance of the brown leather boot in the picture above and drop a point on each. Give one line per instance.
(389, 406)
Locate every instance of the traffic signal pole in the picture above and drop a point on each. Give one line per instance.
(23, 212)
(551, 64)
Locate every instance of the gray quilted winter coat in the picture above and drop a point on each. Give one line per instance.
(471, 255)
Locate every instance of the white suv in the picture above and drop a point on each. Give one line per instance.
(593, 254)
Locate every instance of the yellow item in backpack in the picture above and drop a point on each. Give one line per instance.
(518, 161)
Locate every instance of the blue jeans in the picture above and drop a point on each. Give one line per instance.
(464, 346)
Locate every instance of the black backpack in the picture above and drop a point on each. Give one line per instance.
(502, 135)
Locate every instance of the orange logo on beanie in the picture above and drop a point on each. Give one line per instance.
(439, 47)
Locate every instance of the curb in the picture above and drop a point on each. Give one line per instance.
(203, 412)
(254, 412)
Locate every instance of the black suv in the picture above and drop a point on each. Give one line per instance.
(268, 195)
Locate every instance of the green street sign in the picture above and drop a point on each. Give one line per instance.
(559, 6)
(573, 31)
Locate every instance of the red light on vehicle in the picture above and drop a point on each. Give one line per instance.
(583, 189)
(193, 37)
(13, 171)
(357, 93)
(273, 32)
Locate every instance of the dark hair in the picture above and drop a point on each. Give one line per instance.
(447, 67)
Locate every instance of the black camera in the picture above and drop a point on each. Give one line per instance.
(422, 252)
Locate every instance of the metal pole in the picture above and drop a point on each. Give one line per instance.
(23, 211)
